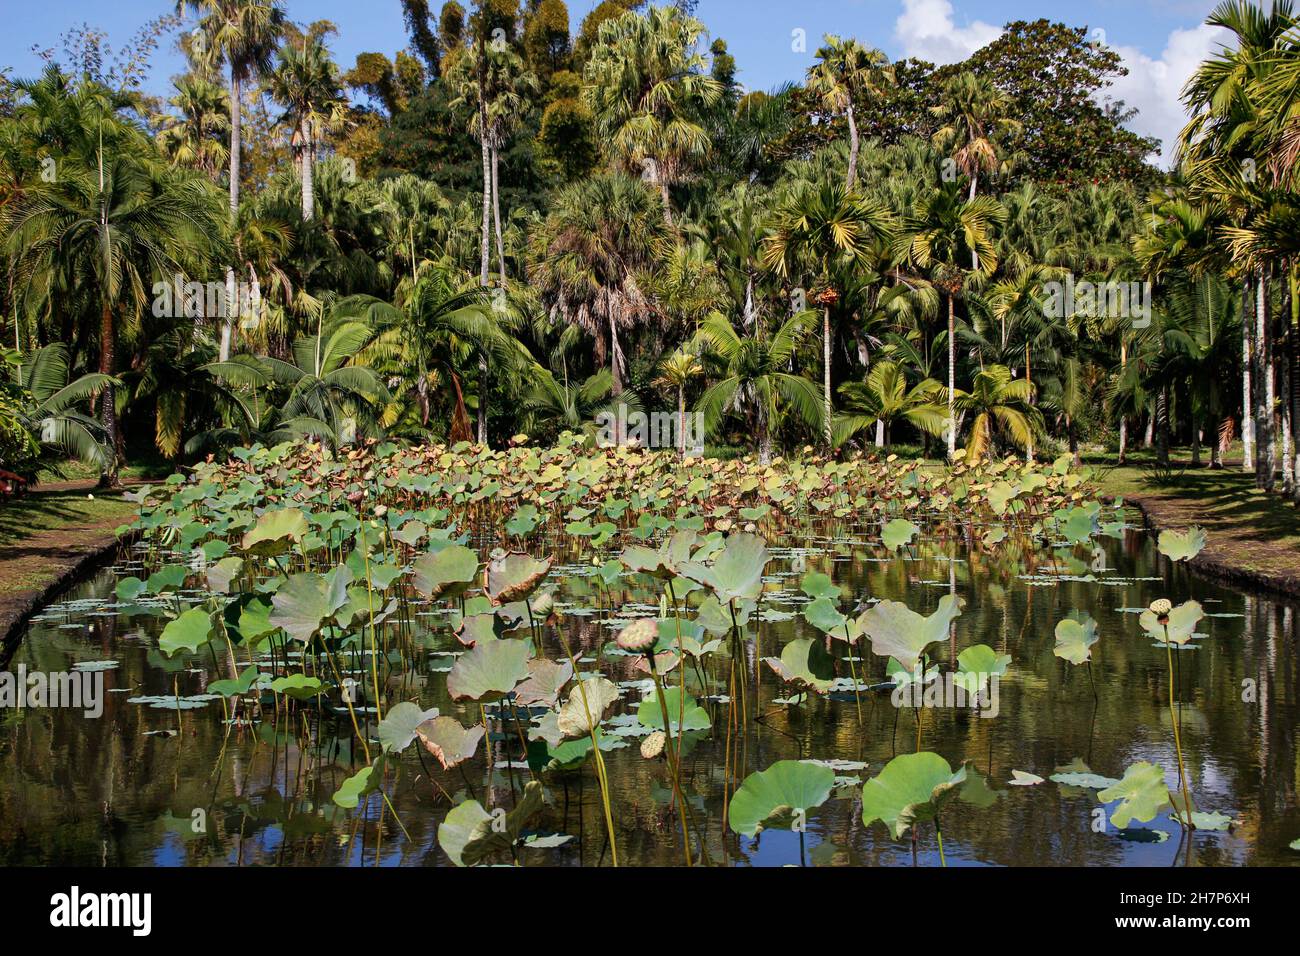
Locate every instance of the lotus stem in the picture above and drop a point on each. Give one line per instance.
(1178, 741)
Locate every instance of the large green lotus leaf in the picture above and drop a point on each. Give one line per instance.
(275, 532)
(240, 685)
(129, 588)
(999, 495)
(397, 729)
(364, 781)
(445, 573)
(1079, 524)
(664, 562)
(817, 585)
(1181, 545)
(895, 630)
(489, 670)
(449, 742)
(469, 834)
(587, 703)
(1075, 636)
(911, 788)
(804, 662)
(1182, 623)
(779, 796)
(306, 601)
(298, 686)
(169, 578)
(650, 715)
(897, 533)
(1141, 793)
(825, 616)
(737, 572)
(248, 618)
(188, 632)
(514, 576)
(715, 617)
(976, 664)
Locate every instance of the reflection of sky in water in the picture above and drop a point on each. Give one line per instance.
(77, 791)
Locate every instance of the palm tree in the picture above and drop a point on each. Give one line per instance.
(944, 230)
(847, 71)
(998, 404)
(50, 410)
(885, 399)
(242, 34)
(818, 231)
(752, 376)
(305, 82)
(197, 136)
(573, 406)
(676, 371)
(115, 227)
(647, 86)
(590, 260)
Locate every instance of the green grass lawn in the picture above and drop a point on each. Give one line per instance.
(53, 510)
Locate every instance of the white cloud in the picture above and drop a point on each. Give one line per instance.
(1154, 86)
(926, 30)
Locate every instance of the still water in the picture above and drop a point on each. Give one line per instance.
(151, 786)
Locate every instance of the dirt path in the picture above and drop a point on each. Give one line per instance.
(46, 539)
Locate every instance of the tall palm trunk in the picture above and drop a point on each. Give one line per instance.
(1123, 419)
(496, 217)
(1294, 381)
(1247, 395)
(952, 379)
(681, 421)
(1029, 380)
(107, 337)
(484, 256)
(236, 141)
(308, 175)
(1266, 453)
(854, 146)
(826, 373)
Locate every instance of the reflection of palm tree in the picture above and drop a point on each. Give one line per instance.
(884, 399)
(751, 376)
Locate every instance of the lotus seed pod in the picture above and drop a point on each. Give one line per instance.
(639, 636)
(1161, 606)
(543, 603)
(653, 745)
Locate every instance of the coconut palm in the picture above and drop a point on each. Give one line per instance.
(818, 231)
(885, 399)
(752, 376)
(846, 72)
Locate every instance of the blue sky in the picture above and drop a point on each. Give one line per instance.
(1160, 40)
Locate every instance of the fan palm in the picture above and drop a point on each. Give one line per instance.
(998, 405)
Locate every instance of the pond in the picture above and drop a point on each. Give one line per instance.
(146, 783)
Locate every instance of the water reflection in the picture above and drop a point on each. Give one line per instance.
(155, 786)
